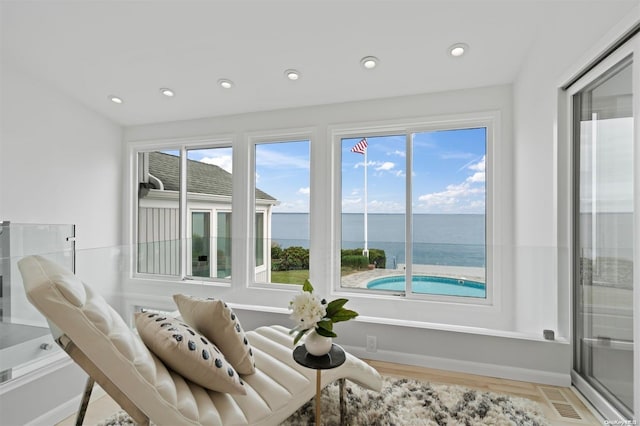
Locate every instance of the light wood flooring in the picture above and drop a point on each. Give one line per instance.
(553, 399)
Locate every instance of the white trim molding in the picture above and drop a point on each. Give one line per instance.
(466, 366)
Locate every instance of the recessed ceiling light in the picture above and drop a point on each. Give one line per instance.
(458, 49)
(225, 83)
(167, 92)
(292, 74)
(115, 99)
(369, 62)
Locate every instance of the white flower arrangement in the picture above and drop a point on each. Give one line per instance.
(310, 312)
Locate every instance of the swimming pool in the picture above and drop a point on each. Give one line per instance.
(427, 284)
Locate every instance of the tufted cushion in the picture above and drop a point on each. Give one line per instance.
(217, 322)
(188, 353)
(63, 280)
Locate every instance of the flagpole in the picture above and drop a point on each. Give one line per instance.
(362, 148)
(365, 252)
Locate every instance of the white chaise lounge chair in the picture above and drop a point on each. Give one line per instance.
(112, 354)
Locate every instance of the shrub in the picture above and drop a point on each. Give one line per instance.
(376, 256)
(278, 265)
(294, 257)
(355, 261)
(297, 257)
(276, 251)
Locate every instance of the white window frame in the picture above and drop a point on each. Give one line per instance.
(263, 265)
(566, 170)
(214, 235)
(182, 145)
(265, 138)
(212, 231)
(486, 119)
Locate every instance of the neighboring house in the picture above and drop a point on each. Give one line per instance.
(209, 190)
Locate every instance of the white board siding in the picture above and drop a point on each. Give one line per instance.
(158, 241)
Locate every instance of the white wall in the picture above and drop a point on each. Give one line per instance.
(542, 302)
(60, 163)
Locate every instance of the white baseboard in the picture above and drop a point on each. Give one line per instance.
(58, 414)
(470, 367)
(65, 410)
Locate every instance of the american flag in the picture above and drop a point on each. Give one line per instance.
(360, 147)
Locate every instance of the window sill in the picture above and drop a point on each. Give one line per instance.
(417, 324)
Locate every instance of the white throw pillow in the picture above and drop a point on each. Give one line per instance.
(218, 323)
(188, 353)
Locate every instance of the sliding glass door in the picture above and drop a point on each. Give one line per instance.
(604, 230)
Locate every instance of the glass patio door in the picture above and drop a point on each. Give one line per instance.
(604, 232)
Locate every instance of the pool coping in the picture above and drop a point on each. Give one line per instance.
(362, 278)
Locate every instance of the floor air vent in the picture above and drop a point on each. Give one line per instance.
(561, 403)
(566, 411)
(554, 394)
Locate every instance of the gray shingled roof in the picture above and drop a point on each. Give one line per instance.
(201, 177)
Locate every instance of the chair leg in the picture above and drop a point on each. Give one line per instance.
(85, 401)
(343, 402)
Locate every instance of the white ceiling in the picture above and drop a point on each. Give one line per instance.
(92, 49)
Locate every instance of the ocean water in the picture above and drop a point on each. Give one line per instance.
(439, 239)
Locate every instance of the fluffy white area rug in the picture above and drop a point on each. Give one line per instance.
(404, 402)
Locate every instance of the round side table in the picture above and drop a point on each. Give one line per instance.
(335, 358)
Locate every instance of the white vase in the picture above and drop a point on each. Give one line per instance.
(316, 344)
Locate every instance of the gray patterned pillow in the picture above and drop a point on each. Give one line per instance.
(188, 353)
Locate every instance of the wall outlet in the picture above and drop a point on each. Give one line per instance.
(372, 343)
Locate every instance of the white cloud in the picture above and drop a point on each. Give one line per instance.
(382, 167)
(356, 205)
(477, 205)
(272, 159)
(479, 169)
(293, 206)
(456, 155)
(398, 153)
(386, 207)
(224, 162)
(353, 204)
(479, 166)
(476, 177)
(361, 164)
(387, 165)
(474, 165)
(304, 191)
(458, 197)
(453, 191)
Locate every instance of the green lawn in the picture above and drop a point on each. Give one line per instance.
(298, 276)
(290, 277)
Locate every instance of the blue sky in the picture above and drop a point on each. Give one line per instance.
(448, 172)
(283, 170)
